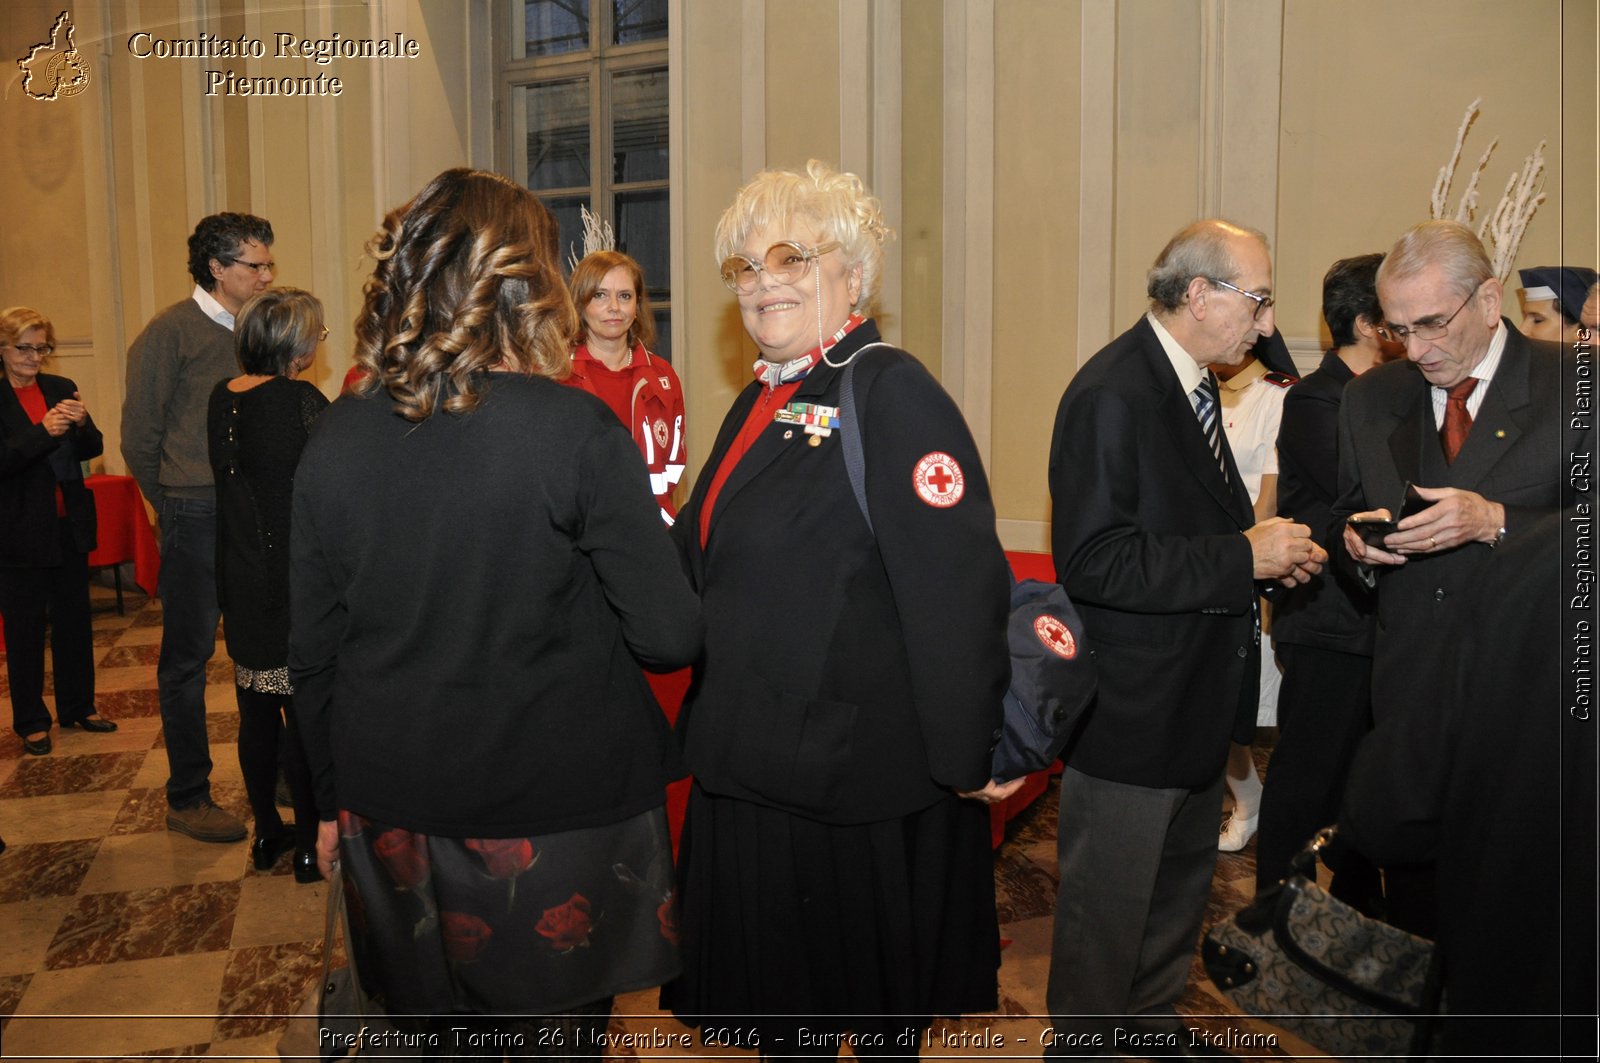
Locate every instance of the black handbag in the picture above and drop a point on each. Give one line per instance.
(337, 1014)
(1306, 961)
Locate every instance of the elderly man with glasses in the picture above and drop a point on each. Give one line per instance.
(1473, 418)
(1154, 538)
(173, 366)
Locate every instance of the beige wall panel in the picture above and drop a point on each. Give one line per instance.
(1036, 235)
(440, 93)
(1578, 213)
(1158, 139)
(716, 344)
(155, 162)
(802, 82)
(921, 223)
(44, 236)
(1365, 129)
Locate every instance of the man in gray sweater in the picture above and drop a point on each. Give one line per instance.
(172, 368)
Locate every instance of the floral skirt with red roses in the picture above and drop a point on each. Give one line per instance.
(509, 926)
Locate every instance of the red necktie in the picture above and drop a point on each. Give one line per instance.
(1457, 421)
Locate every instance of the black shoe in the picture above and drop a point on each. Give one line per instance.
(305, 866)
(37, 747)
(93, 722)
(264, 852)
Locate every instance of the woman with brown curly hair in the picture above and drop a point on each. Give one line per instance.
(613, 363)
(476, 579)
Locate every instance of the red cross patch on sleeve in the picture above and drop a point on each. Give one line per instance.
(938, 480)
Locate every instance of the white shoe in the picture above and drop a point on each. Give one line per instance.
(1236, 833)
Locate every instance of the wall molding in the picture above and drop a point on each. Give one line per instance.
(1032, 536)
(678, 182)
(968, 332)
(752, 88)
(1097, 184)
(888, 143)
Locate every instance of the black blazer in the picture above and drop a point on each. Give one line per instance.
(1148, 541)
(1495, 779)
(1516, 454)
(847, 676)
(30, 461)
(1334, 611)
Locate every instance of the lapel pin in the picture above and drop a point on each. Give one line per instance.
(1499, 433)
(789, 434)
(815, 441)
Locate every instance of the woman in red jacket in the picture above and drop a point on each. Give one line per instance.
(613, 362)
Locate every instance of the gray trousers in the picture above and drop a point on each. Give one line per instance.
(1136, 868)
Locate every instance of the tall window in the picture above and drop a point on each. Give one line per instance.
(584, 105)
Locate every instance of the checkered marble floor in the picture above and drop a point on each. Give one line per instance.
(121, 939)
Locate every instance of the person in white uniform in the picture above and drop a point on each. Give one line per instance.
(1252, 408)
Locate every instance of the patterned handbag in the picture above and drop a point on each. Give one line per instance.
(1341, 980)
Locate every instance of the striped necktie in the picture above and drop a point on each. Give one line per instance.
(1205, 408)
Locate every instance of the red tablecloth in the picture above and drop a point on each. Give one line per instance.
(670, 689)
(125, 533)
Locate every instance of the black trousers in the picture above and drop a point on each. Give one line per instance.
(31, 599)
(1324, 710)
(263, 720)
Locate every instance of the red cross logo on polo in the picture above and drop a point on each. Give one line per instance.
(1056, 637)
(663, 433)
(938, 480)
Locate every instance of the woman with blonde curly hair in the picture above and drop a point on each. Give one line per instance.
(476, 579)
(835, 872)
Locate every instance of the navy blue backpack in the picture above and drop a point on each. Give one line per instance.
(1053, 678)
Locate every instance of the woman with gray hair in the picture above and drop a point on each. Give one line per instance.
(835, 877)
(257, 425)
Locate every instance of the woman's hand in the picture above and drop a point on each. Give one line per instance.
(995, 792)
(56, 421)
(74, 409)
(327, 846)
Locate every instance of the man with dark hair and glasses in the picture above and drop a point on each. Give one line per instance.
(1154, 538)
(173, 366)
(1323, 631)
(1473, 418)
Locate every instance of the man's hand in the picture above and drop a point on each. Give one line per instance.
(1456, 517)
(994, 792)
(327, 846)
(1283, 550)
(1357, 547)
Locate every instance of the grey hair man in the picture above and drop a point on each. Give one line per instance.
(1472, 421)
(1154, 538)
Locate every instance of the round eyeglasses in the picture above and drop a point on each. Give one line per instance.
(785, 262)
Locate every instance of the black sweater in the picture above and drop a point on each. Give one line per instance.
(471, 599)
(255, 440)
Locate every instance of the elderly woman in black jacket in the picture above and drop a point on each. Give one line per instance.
(47, 529)
(836, 872)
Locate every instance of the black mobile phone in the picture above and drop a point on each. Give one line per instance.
(1412, 503)
(1373, 529)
